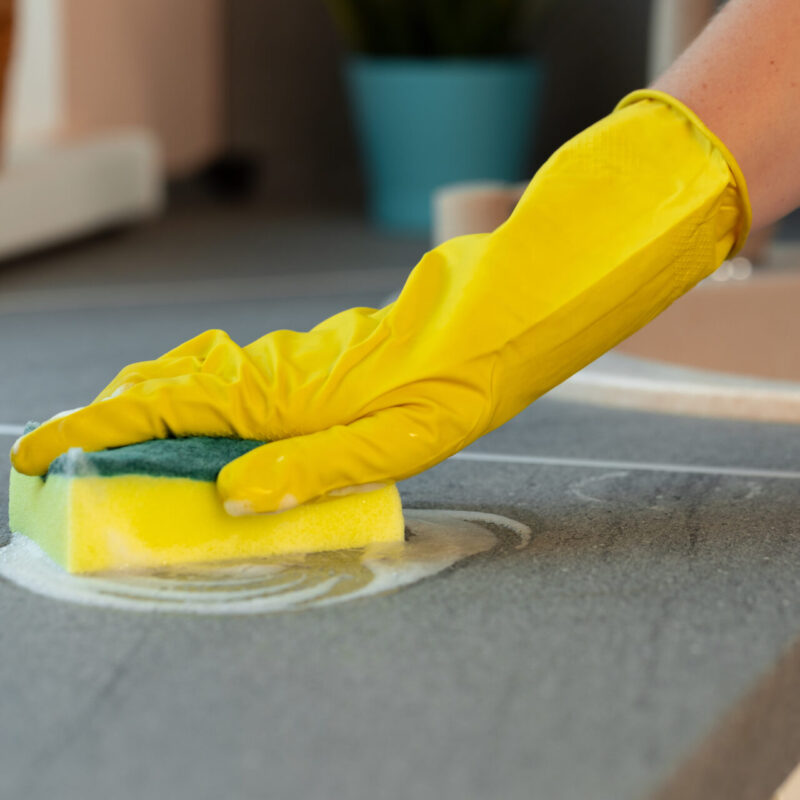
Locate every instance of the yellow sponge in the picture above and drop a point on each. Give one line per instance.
(155, 504)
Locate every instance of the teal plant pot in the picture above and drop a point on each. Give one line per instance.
(424, 123)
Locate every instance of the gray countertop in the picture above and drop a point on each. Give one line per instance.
(628, 652)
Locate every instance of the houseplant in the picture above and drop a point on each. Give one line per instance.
(441, 92)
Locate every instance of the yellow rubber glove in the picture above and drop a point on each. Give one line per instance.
(619, 222)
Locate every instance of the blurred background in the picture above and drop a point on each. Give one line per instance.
(170, 166)
(263, 92)
(376, 127)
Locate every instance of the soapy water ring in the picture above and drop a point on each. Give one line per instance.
(435, 541)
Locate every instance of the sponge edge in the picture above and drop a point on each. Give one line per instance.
(98, 523)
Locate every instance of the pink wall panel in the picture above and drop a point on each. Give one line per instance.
(148, 63)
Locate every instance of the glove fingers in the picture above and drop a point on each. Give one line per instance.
(109, 424)
(189, 391)
(149, 410)
(391, 445)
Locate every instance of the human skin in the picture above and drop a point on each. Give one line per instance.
(741, 76)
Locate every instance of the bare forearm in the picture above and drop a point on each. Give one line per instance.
(742, 77)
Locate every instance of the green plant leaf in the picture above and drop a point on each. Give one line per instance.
(432, 28)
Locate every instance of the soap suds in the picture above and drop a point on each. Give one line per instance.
(238, 508)
(437, 540)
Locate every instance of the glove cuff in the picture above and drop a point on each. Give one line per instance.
(746, 217)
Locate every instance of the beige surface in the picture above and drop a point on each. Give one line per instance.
(749, 327)
(472, 207)
(673, 26)
(149, 64)
(790, 789)
(617, 382)
(80, 188)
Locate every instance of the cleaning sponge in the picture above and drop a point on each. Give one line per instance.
(155, 504)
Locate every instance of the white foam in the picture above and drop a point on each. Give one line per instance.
(238, 508)
(65, 413)
(438, 539)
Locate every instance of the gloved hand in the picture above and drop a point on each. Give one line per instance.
(619, 222)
